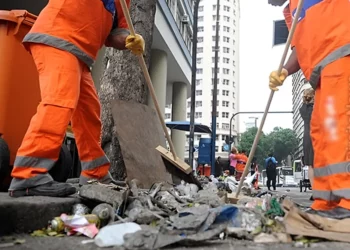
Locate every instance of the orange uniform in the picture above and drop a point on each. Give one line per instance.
(240, 166)
(322, 43)
(64, 42)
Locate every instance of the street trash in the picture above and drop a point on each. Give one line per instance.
(275, 209)
(113, 235)
(84, 224)
(80, 209)
(149, 240)
(232, 183)
(298, 222)
(105, 213)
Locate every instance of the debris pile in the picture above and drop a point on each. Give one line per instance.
(136, 218)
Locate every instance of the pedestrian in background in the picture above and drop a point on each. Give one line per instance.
(305, 113)
(271, 165)
(233, 161)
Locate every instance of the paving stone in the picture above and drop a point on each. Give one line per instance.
(25, 214)
(102, 194)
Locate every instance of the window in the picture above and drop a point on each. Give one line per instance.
(213, 48)
(233, 72)
(188, 115)
(227, 29)
(225, 82)
(212, 81)
(226, 39)
(200, 29)
(226, 71)
(233, 52)
(234, 12)
(214, 38)
(225, 103)
(233, 105)
(225, 126)
(200, 50)
(200, 19)
(234, 63)
(199, 60)
(188, 104)
(213, 70)
(217, 114)
(225, 92)
(224, 114)
(167, 116)
(226, 60)
(217, 102)
(226, 8)
(226, 50)
(200, 8)
(199, 81)
(233, 94)
(213, 59)
(198, 92)
(233, 42)
(198, 103)
(233, 84)
(226, 18)
(199, 71)
(217, 93)
(198, 115)
(200, 39)
(234, 22)
(214, 7)
(214, 27)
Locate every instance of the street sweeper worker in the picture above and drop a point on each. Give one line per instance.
(64, 42)
(321, 49)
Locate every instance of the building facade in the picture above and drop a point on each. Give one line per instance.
(228, 71)
(299, 84)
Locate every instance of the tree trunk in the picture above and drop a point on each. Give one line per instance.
(123, 80)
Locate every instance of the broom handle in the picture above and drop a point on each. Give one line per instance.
(257, 137)
(148, 80)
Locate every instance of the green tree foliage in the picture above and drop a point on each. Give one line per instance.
(281, 142)
(246, 142)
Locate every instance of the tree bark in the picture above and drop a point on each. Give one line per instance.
(123, 80)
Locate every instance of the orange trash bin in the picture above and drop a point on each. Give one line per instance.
(19, 83)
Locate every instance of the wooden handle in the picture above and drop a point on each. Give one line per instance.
(257, 137)
(148, 80)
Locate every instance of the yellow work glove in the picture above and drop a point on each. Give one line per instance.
(135, 44)
(277, 80)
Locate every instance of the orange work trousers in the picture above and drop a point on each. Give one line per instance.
(67, 94)
(330, 132)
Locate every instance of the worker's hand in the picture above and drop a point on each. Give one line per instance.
(277, 80)
(135, 44)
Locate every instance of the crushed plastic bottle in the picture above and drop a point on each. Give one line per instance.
(113, 235)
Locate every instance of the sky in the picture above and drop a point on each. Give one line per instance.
(257, 59)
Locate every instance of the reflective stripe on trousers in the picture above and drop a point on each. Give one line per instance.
(317, 70)
(68, 94)
(330, 133)
(327, 172)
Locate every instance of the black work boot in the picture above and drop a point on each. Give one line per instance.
(337, 213)
(52, 189)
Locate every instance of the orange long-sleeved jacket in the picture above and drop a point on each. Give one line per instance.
(79, 27)
(322, 34)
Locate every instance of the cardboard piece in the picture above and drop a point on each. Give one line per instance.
(139, 133)
(298, 222)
